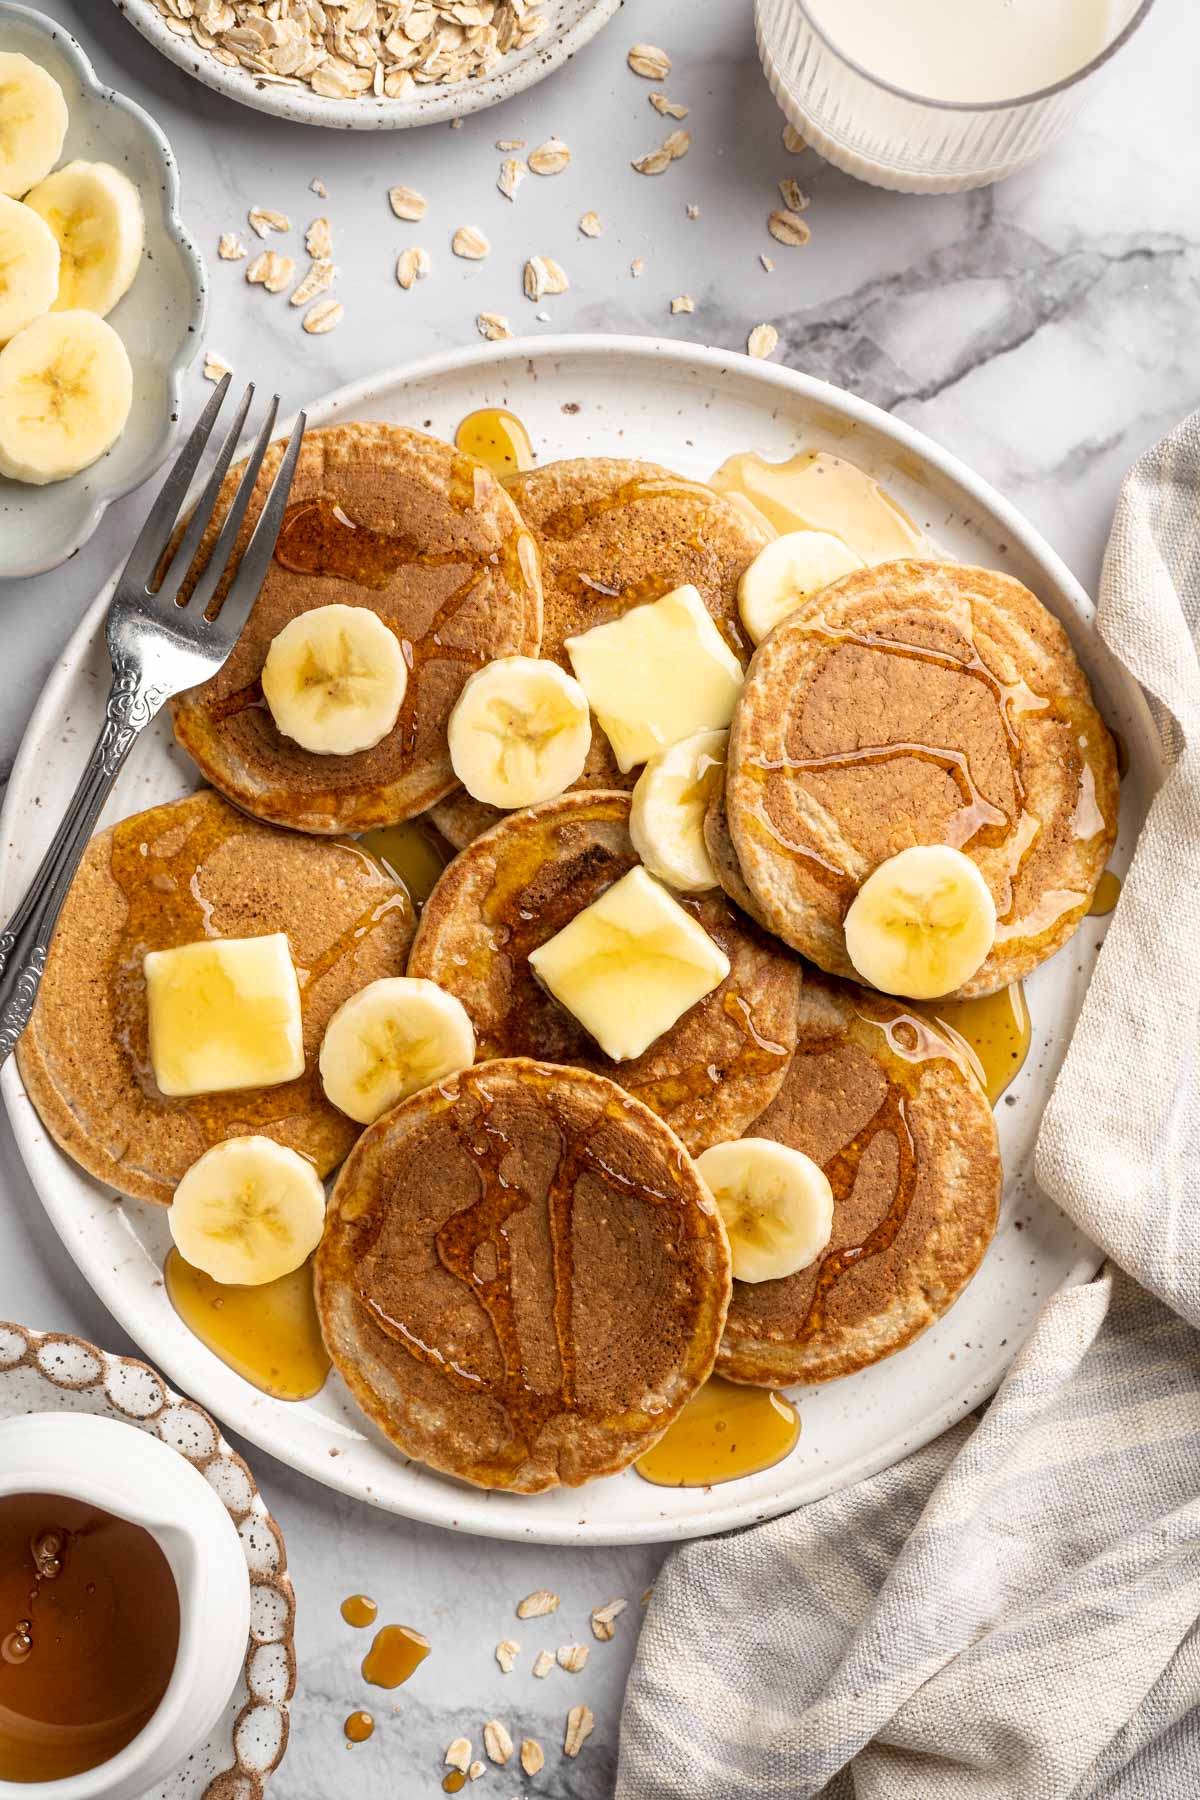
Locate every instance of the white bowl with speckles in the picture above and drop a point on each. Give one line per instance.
(160, 319)
(572, 24)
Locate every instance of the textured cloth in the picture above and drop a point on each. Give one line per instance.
(1014, 1612)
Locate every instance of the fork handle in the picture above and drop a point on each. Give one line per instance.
(25, 940)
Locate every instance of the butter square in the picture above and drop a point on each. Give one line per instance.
(630, 964)
(657, 674)
(224, 1014)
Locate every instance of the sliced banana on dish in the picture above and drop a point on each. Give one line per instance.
(248, 1211)
(391, 1039)
(95, 214)
(776, 1203)
(787, 571)
(33, 123)
(520, 732)
(28, 267)
(65, 392)
(670, 800)
(922, 923)
(334, 680)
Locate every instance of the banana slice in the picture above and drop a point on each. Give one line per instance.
(922, 923)
(249, 1211)
(390, 1039)
(65, 392)
(33, 123)
(669, 804)
(776, 1203)
(520, 732)
(335, 679)
(786, 572)
(28, 267)
(95, 213)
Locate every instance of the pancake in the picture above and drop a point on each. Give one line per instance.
(921, 703)
(904, 1132)
(723, 856)
(519, 884)
(181, 872)
(615, 534)
(389, 519)
(523, 1278)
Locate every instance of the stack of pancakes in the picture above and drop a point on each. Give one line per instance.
(523, 1278)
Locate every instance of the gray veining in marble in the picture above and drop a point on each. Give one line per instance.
(1045, 331)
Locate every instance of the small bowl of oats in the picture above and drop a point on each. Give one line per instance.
(370, 65)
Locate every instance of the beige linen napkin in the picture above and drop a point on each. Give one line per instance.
(1011, 1614)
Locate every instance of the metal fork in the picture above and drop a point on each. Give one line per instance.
(158, 646)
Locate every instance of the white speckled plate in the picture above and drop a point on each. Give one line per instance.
(161, 318)
(689, 408)
(49, 1372)
(571, 25)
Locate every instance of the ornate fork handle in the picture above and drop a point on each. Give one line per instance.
(132, 703)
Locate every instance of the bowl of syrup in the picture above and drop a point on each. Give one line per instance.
(124, 1608)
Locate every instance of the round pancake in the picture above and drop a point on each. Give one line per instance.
(523, 1278)
(921, 703)
(424, 536)
(193, 869)
(519, 884)
(615, 534)
(904, 1132)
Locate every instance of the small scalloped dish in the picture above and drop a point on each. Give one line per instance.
(160, 319)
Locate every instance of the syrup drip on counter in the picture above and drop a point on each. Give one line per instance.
(397, 1652)
(724, 1432)
(89, 1630)
(270, 1334)
(413, 852)
(818, 492)
(497, 439)
(359, 1610)
(454, 1782)
(359, 1727)
(1108, 892)
(993, 1032)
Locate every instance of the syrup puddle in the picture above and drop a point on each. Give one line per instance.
(497, 439)
(397, 1652)
(1108, 892)
(359, 1727)
(359, 1610)
(413, 852)
(818, 492)
(725, 1432)
(993, 1031)
(269, 1335)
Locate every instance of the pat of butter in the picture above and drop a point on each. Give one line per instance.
(630, 964)
(660, 673)
(224, 1013)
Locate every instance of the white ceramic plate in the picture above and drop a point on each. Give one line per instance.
(689, 408)
(161, 318)
(571, 24)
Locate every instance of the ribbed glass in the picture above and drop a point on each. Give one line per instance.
(898, 140)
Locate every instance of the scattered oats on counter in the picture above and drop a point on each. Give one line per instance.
(476, 1769)
(317, 187)
(677, 144)
(537, 1605)
(768, 262)
(512, 173)
(590, 225)
(318, 240)
(543, 1662)
(550, 158)
(407, 204)
(496, 1742)
(651, 62)
(412, 265)
(263, 221)
(344, 49)
(655, 162)
(792, 140)
(318, 280)
(544, 276)
(230, 247)
(683, 303)
(581, 1722)
(510, 143)
(533, 1757)
(494, 327)
(671, 109)
(458, 1755)
(572, 1657)
(271, 271)
(693, 211)
(325, 316)
(762, 341)
(604, 1619)
(792, 194)
(508, 1649)
(636, 267)
(787, 227)
(215, 367)
(470, 243)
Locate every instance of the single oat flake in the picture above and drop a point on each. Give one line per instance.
(762, 341)
(550, 158)
(318, 280)
(788, 227)
(215, 367)
(581, 1722)
(649, 61)
(544, 276)
(470, 243)
(412, 265)
(494, 326)
(792, 140)
(636, 267)
(533, 1757)
(604, 1619)
(671, 109)
(458, 1755)
(507, 1650)
(590, 225)
(406, 203)
(572, 1657)
(768, 262)
(677, 144)
(230, 247)
(318, 239)
(271, 271)
(537, 1605)
(510, 143)
(683, 303)
(693, 211)
(655, 162)
(263, 221)
(792, 194)
(317, 186)
(512, 173)
(543, 1662)
(496, 1742)
(476, 1769)
(325, 316)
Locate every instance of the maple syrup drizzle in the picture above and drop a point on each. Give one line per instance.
(414, 853)
(454, 1782)
(270, 1335)
(724, 1433)
(397, 1652)
(815, 491)
(977, 818)
(1108, 892)
(496, 438)
(993, 1032)
(359, 1727)
(359, 1610)
(576, 515)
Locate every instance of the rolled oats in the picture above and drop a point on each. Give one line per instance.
(458, 1755)
(270, 270)
(494, 327)
(768, 262)
(671, 109)
(544, 276)
(470, 243)
(683, 303)
(318, 280)
(543, 1662)
(412, 265)
(476, 1769)
(537, 1605)
(533, 1757)
(512, 173)
(792, 140)
(572, 1657)
(510, 143)
(318, 240)
(581, 1722)
(496, 1742)
(317, 186)
(792, 194)
(590, 225)
(788, 227)
(655, 162)
(762, 341)
(325, 316)
(215, 366)
(406, 203)
(550, 158)
(230, 247)
(648, 60)
(677, 144)
(263, 221)
(507, 1649)
(604, 1619)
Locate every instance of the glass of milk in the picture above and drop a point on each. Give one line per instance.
(928, 96)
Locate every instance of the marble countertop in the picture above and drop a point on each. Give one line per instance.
(1045, 331)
